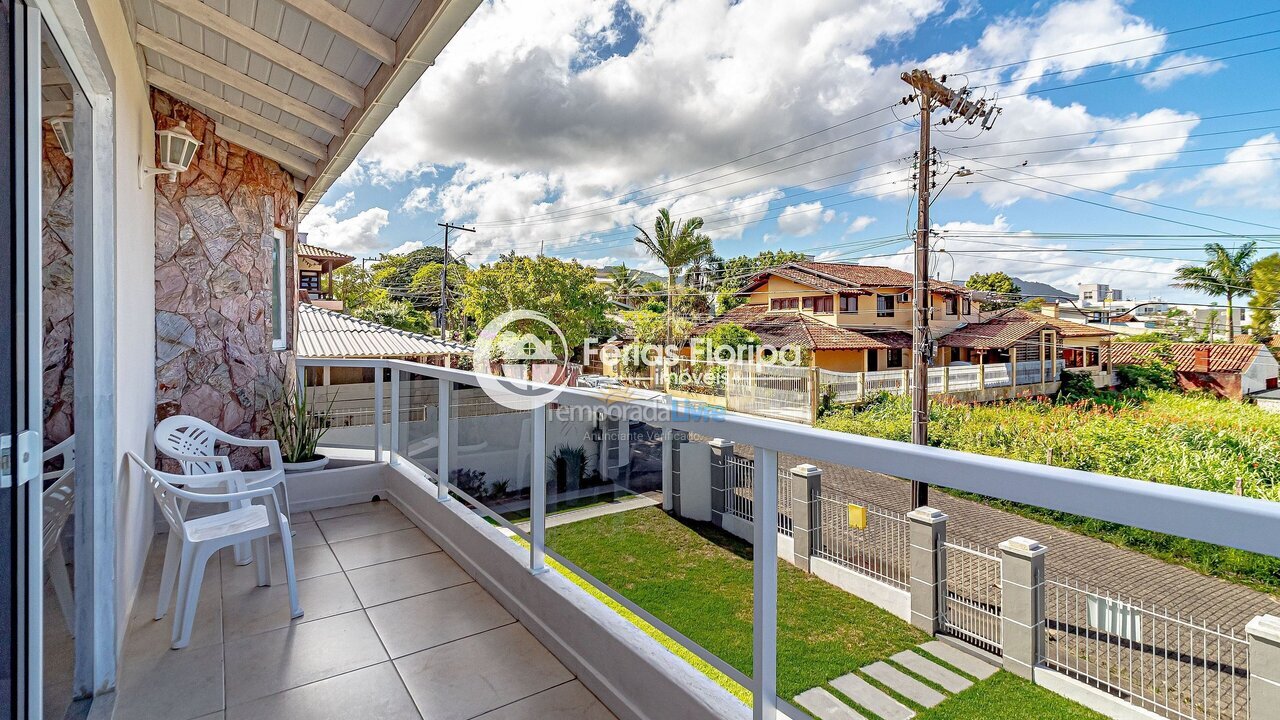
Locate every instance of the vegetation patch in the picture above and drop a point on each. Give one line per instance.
(1192, 440)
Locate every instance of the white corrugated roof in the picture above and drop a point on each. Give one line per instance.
(328, 334)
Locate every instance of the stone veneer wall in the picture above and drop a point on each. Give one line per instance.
(58, 299)
(214, 358)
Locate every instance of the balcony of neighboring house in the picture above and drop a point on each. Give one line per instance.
(315, 274)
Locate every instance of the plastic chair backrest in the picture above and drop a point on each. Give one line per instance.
(67, 450)
(58, 500)
(166, 498)
(187, 435)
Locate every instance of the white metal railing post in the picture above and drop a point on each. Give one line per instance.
(444, 438)
(538, 492)
(377, 413)
(394, 458)
(764, 558)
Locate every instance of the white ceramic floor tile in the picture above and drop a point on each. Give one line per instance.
(400, 579)
(349, 527)
(570, 701)
(252, 610)
(423, 621)
(375, 692)
(383, 547)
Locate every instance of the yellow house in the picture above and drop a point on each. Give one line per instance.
(858, 318)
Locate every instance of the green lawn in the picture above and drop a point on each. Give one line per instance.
(698, 580)
(1192, 440)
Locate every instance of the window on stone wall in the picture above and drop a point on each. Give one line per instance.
(278, 262)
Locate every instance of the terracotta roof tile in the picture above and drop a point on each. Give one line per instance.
(1066, 328)
(315, 251)
(993, 335)
(1223, 358)
(846, 277)
(804, 331)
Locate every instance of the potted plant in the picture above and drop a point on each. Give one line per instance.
(298, 428)
(569, 464)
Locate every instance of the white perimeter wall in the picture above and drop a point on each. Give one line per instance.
(135, 299)
(1256, 375)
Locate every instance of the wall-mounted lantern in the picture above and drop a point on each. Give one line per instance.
(177, 149)
(64, 130)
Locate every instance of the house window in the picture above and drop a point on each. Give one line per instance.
(1091, 357)
(820, 305)
(784, 303)
(309, 280)
(955, 354)
(965, 307)
(884, 306)
(951, 304)
(894, 358)
(849, 303)
(278, 263)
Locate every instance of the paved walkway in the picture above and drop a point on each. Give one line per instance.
(394, 629)
(892, 690)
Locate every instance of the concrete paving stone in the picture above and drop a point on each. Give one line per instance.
(931, 671)
(872, 698)
(960, 659)
(826, 706)
(903, 684)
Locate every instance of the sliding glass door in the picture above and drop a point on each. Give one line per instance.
(20, 446)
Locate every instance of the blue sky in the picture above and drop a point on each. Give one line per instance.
(547, 128)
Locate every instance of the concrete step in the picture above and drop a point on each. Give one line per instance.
(872, 698)
(904, 684)
(960, 659)
(931, 671)
(826, 706)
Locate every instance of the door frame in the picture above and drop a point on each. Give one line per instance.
(98, 463)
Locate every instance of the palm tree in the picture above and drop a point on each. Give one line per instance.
(1226, 274)
(625, 282)
(675, 244)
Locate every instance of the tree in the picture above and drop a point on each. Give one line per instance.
(624, 282)
(424, 287)
(396, 273)
(566, 292)
(1266, 297)
(675, 245)
(396, 314)
(354, 285)
(1226, 273)
(701, 274)
(649, 327)
(735, 272)
(742, 341)
(1007, 292)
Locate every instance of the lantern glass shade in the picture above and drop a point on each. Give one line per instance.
(64, 130)
(177, 148)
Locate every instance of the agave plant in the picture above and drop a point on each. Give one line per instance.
(297, 426)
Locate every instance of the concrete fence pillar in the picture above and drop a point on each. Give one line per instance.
(928, 534)
(1264, 665)
(906, 381)
(721, 452)
(1021, 604)
(806, 484)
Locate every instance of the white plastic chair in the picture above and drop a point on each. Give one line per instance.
(67, 451)
(58, 500)
(190, 441)
(199, 539)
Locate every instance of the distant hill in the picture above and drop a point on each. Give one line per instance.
(1033, 289)
(641, 276)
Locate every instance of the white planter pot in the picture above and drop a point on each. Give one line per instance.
(316, 464)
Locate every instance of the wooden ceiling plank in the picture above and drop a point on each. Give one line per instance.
(366, 38)
(202, 63)
(270, 49)
(209, 101)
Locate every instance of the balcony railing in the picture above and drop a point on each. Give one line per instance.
(430, 447)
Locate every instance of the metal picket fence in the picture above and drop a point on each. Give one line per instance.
(1163, 661)
(972, 594)
(881, 550)
(739, 480)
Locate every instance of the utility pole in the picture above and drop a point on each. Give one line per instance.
(444, 278)
(931, 93)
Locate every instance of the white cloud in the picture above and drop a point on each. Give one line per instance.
(860, 223)
(548, 138)
(1177, 66)
(984, 247)
(356, 235)
(1248, 177)
(417, 200)
(804, 219)
(406, 247)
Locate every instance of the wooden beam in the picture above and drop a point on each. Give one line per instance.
(209, 101)
(55, 108)
(366, 38)
(53, 76)
(249, 86)
(242, 34)
(297, 166)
